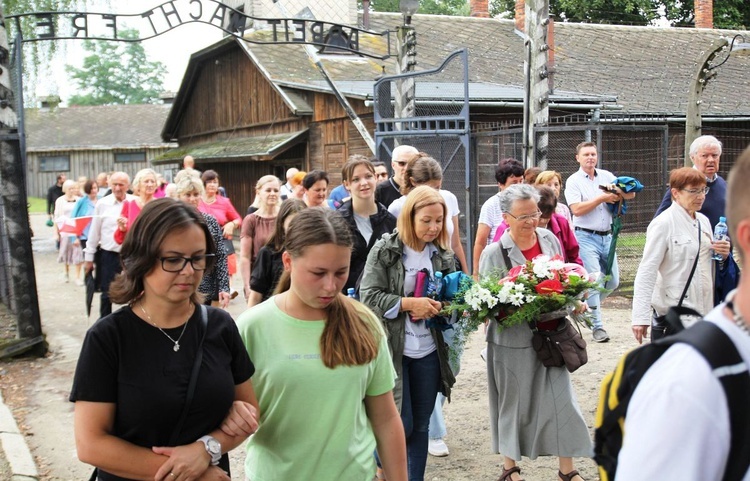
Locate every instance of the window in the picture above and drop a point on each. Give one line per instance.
(130, 156)
(54, 163)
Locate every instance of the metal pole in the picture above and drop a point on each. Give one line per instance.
(537, 19)
(406, 38)
(24, 302)
(20, 108)
(703, 74)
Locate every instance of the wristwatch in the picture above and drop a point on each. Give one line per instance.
(213, 448)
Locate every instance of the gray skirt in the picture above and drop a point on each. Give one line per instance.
(533, 409)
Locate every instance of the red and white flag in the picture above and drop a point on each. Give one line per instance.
(74, 226)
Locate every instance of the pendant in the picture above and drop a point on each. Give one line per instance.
(176, 347)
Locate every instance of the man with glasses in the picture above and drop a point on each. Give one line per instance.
(588, 191)
(387, 192)
(705, 152)
(381, 171)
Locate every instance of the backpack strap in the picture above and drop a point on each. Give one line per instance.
(730, 369)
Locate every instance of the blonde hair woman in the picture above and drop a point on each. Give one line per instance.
(215, 284)
(258, 226)
(420, 355)
(144, 187)
(70, 251)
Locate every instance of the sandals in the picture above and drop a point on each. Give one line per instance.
(507, 473)
(569, 476)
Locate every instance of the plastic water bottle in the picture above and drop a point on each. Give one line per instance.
(351, 293)
(720, 233)
(435, 286)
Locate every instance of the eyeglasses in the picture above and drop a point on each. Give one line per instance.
(177, 264)
(527, 217)
(703, 191)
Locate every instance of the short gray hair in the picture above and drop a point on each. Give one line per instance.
(517, 192)
(704, 141)
(403, 150)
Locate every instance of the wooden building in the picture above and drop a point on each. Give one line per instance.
(246, 110)
(83, 141)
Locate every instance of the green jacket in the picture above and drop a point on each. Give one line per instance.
(382, 287)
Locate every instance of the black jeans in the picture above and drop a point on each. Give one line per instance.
(110, 267)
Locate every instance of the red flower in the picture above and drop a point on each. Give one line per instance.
(513, 274)
(549, 286)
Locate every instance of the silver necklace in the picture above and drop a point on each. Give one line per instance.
(739, 321)
(177, 342)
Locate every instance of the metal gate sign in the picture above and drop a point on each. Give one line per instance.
(172, 14)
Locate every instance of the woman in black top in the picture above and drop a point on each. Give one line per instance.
(131, 382)
(268, 266)
(367, 219)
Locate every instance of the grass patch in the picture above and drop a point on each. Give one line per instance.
(37, 205)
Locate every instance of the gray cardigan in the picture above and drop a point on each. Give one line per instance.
(492, 261)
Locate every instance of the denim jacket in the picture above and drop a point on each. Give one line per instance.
(382, 287)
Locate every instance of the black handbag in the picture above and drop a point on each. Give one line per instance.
(563, 346)
(670, 323)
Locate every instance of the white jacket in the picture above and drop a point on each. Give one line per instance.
(671, 246)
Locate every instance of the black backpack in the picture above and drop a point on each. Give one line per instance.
(618, 387)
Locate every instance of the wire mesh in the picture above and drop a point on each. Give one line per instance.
(439, 126)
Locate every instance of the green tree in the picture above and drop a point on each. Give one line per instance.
(117, 73)
(727, 13)
(435, 7)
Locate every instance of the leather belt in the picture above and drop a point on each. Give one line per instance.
(597, 232)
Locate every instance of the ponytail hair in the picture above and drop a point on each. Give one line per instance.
(350, 337)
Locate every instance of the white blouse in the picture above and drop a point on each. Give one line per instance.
(671, 246)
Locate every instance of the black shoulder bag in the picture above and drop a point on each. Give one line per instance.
(670, 323)
(561, 347)
(191, 387)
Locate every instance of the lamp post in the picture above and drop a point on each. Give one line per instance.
(704, 73)
(406, 46)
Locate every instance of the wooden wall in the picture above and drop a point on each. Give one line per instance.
(230, 93)
(83, 163)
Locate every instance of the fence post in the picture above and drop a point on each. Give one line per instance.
(24, 303)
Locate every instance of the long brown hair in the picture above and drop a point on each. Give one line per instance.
(288, 207)
(349, 337)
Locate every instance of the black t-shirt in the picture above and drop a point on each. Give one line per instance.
(387, 191)
(128, 362)
(267, 271)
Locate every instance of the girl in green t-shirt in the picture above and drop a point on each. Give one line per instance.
(324, 376)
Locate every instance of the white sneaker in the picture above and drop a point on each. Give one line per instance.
(437, 448)
(483, 354)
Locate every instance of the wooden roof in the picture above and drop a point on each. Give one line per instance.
(648, 69)
(102, 127)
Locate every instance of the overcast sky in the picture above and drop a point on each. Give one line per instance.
(173, 49)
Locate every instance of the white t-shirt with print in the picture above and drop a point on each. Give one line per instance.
(418, 341)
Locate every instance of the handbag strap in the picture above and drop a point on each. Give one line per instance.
(506, 258)
(193, 379)
(695, 264)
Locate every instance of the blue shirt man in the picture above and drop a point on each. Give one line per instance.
(592, 220)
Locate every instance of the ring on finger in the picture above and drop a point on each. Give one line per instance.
(172, 474)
